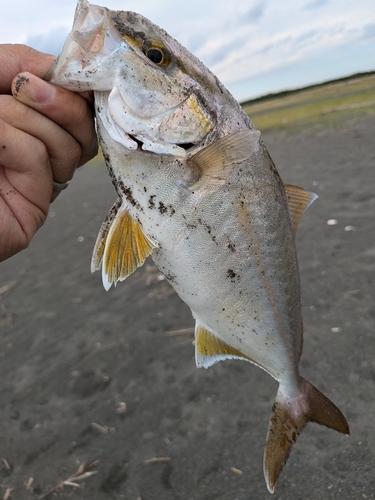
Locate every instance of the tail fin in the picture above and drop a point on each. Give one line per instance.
(288, 419)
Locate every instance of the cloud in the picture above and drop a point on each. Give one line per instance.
(254, 14)
(368, 31)
(51, 42)
(316, 4)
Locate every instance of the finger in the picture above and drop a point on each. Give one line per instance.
(26, 179)
(63, 150)
(17, 58)
(67, 109)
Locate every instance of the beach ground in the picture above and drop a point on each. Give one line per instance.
(107, 380)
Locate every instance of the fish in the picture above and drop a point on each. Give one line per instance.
(198, 192)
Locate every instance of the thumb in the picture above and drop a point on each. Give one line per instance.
(16, 59)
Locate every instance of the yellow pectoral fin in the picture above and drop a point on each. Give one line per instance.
(121, 247)
(98, 252)
(298, 201)
(209, 349)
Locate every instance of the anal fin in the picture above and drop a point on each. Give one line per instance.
(121, 246)
(209, 349)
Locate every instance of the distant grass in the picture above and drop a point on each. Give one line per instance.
(327, 105)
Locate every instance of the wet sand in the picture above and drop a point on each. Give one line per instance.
(88, 375)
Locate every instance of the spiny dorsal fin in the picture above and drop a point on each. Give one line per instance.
(298, 201)
(209, 349)
(121, 247)
(226, 151)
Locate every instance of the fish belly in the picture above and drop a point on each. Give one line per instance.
(235, 266)
(226, 247)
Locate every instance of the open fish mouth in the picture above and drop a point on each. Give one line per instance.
(142, 133)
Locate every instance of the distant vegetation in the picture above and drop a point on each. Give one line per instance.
(327, 104)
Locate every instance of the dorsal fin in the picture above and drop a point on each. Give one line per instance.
(121, 247)
(298, 201)
(226, 151)
(209, 349)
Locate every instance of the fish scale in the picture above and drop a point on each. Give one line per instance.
(198, 191)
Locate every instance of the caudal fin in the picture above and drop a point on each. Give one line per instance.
(288, 419)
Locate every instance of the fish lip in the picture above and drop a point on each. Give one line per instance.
(89, 23)
(88, 36)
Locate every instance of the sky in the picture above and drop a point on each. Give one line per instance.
(255, 47)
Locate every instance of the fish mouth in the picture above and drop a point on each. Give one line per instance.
(188, 147)
(136, 133)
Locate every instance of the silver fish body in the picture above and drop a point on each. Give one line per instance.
(198, 191)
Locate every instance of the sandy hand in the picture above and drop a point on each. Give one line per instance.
(46, 133)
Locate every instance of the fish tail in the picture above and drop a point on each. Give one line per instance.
(288, 419)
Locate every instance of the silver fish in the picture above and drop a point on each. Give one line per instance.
(198, 191)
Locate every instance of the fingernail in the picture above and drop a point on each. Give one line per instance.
(29, 88)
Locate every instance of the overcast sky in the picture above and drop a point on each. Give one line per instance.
(254, 46)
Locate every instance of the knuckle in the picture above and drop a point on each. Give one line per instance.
(65, 159)
(74, 153)
(80, 111)
(90, 152)
(40, 152)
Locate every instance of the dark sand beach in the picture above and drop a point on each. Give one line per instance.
(109, 378)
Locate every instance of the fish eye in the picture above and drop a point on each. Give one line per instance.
(155, 55)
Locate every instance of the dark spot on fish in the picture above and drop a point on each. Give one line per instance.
(170, 277)
(206, 226)
(4, 147)
(125, 30)
(162, 208)
(132, 18)
(231, 274)
(128, 194)
(151, 203)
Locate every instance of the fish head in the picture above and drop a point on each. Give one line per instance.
(150, 92)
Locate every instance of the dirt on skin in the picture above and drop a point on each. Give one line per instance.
(88, 375)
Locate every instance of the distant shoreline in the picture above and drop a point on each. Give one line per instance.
(284, 93)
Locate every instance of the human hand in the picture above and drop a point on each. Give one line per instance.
(46, 132)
